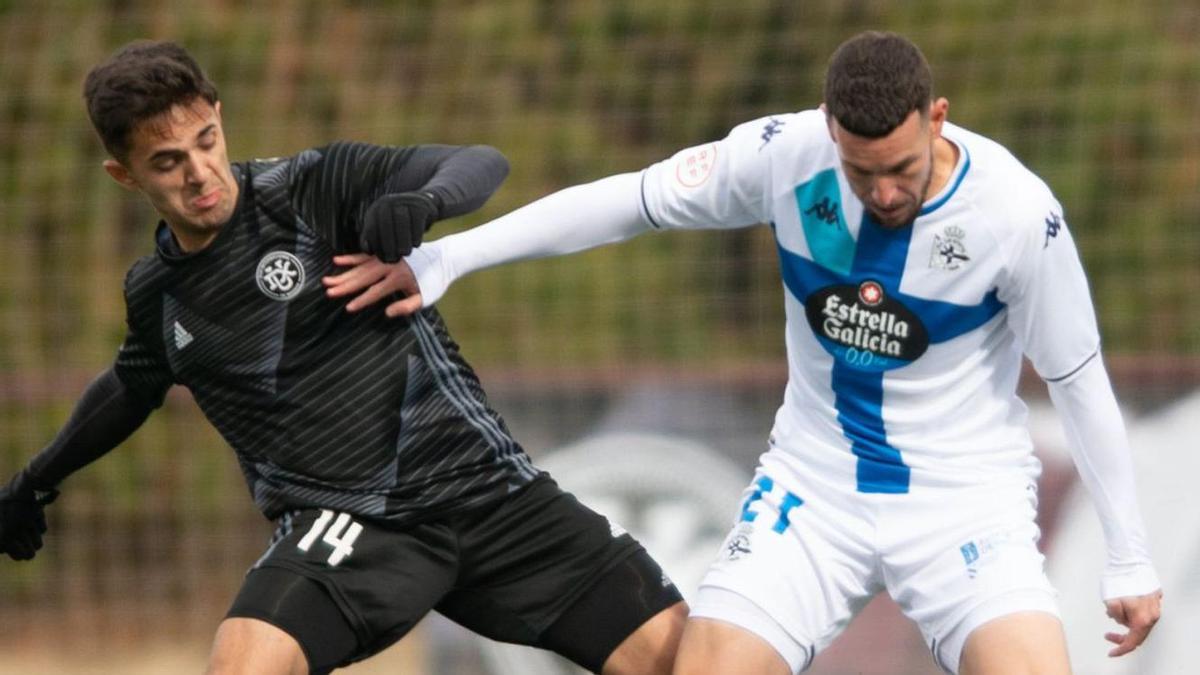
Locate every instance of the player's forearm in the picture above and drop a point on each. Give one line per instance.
(105, 415)
(1100, 449)
(571, 220)
(464, 178)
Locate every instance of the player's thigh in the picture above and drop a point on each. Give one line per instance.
(627, 623)
(794, 571)
(1024, 643)
(713, 646)
(345, 588)
(955, 570)
(652, 648)
(540, 556)
(253, 647)
(278, 613)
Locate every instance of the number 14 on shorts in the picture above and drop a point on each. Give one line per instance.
(340, 535)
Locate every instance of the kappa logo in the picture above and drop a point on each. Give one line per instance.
(1053, 225)
(825, 211)
(770, 130)
(280, 275)
(182, 337)
(949, 252)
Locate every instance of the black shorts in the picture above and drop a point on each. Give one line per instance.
(508, 571)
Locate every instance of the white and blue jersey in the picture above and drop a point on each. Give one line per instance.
(904, 345)
(899, 460)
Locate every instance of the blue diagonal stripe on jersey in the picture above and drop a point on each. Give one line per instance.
(819, 202)
(858, 394)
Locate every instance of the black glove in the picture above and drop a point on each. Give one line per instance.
(23, 516)
(395, 223)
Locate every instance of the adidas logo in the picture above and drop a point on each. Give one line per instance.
(182, 337)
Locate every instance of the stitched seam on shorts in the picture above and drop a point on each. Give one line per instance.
(356, 621)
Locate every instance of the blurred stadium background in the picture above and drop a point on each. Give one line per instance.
(680, 334)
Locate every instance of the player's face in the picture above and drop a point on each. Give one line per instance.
(891, 175)
(178, 161)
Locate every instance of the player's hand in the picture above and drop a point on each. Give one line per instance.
(395, 223)
(23, 516)
(373, 280)
(1137, 613)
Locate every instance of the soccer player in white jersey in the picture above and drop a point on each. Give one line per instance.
(920, 261)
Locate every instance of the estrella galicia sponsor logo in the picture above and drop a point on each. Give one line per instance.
(280, 275)
(865, 327)
(871, 293)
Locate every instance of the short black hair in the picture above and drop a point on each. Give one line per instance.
(141, 80)
(874, 81)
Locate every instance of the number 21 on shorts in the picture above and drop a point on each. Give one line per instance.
(340, 535)
(765, 485)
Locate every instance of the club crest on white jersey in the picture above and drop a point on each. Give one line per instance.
(949, 252)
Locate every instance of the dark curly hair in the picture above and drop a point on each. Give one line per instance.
(142, 80)
(874, 81)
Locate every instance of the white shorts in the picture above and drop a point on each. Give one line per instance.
(801, 561)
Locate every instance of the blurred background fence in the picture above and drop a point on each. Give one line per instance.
(1100, 97)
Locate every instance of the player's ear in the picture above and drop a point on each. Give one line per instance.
(938, 110)
(828, 122)
(120, 174)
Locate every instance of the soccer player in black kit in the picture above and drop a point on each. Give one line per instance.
(396, 489)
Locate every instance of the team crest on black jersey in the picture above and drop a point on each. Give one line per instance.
(949, 252)
(280, 275)
(864, 327)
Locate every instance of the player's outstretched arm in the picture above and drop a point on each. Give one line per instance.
(105, 415)
(430, 183)
(574, 219)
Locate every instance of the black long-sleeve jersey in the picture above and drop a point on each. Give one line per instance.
(360, 413)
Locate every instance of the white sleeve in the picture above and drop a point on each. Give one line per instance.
(570, 220)
(1049, 304)
(1050, 310)
(715, 185)
(1100, 448)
